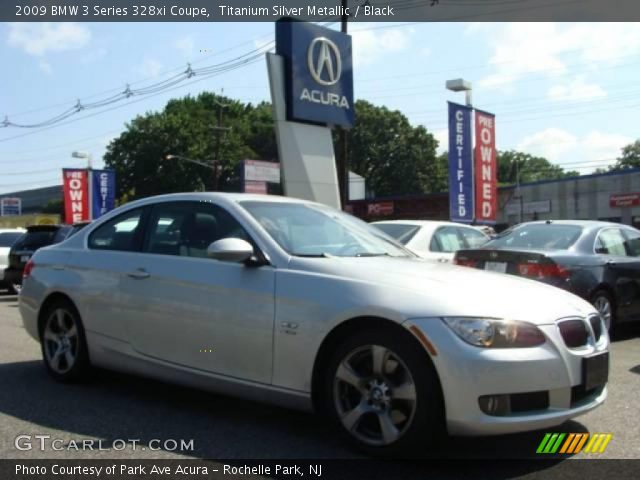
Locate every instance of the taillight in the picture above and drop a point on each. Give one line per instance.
(542, 270)
(465, 262)
(27, 269)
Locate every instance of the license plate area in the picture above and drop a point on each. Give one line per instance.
(500, 267)
(595, 370)
(25, 258)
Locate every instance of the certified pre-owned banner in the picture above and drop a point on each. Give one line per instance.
(486, 168)
(76, 195)
(103, 191)
(460, 164)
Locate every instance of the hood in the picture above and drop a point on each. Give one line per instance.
(425, 288)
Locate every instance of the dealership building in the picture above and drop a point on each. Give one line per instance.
(613, 196)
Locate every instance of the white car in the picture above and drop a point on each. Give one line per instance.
(8, 237)
(295, 303)
(433, 240)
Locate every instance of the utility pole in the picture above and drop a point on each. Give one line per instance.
(219, 131)
(343, 160)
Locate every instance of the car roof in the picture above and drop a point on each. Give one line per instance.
(43, 228)
(421, 223)
(219, 197)
(578, 223)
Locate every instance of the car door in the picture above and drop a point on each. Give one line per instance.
(102, 269)
(620, 270)
(191, 310)
(632, 237)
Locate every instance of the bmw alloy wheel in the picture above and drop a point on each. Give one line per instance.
(603, 305)
(61, 341)
(375, 395)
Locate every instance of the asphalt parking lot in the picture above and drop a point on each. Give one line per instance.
(116, 406)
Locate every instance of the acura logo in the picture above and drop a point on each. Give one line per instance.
(323, 59)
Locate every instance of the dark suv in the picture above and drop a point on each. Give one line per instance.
(36, 236)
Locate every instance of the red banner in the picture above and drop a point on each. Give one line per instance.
(486, 168)
(76, 195)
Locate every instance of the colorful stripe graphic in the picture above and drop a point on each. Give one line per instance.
(574, 443)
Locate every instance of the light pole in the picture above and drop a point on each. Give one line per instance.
(87, 155)
(209, 163)
(519, 193)
(460, 85)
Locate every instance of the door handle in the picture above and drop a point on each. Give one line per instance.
(443, 260)
(139, 274)
(611, 262)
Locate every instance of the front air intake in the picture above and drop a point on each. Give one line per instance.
(574, 333)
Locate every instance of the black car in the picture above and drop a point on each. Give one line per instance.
(598, 261)
(36, 236)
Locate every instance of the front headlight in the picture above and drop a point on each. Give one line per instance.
(494, 333)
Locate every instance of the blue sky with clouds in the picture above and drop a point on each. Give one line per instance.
(566, 91)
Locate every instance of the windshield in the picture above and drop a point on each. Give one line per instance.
(538, 237)
(402, 232)
(317, 231)
(9, 238)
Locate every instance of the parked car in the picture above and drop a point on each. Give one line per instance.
(8, 236)
(35, 237)
(433, 240)
(305, 306)
(599, 261)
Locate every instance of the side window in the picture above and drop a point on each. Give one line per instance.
(472, 238)
(633, 242)
(611, 242)
(121, 233)
(188, 228)
(447, 239)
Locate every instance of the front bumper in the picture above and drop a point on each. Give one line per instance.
(468, 373)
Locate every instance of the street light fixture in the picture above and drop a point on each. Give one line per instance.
(209, 163)
(87, 155)
(460, 85)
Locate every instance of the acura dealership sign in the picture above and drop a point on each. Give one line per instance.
(319, 75)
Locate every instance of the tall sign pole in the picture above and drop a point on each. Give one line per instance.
(343, 151)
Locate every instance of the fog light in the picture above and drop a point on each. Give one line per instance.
(495, 405)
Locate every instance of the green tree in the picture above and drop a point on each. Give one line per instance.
(186, 127)
(54, 206)
(394, 157)
(529, 168)
(630, 157)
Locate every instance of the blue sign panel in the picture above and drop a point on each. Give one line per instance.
(104, 191)
(319, 73)
(460, 164)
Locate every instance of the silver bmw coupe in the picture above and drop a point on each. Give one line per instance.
(295, 303)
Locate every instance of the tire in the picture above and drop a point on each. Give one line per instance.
(389, 409)
(606, 306)
(63, 343)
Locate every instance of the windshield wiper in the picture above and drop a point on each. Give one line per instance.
(314, 255)
(369, 254)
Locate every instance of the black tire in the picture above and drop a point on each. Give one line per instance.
(56, 351)
(419, 423)
(601, 298)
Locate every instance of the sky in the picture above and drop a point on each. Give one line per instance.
(569, 92)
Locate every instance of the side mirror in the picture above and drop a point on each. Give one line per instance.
(230, 250)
